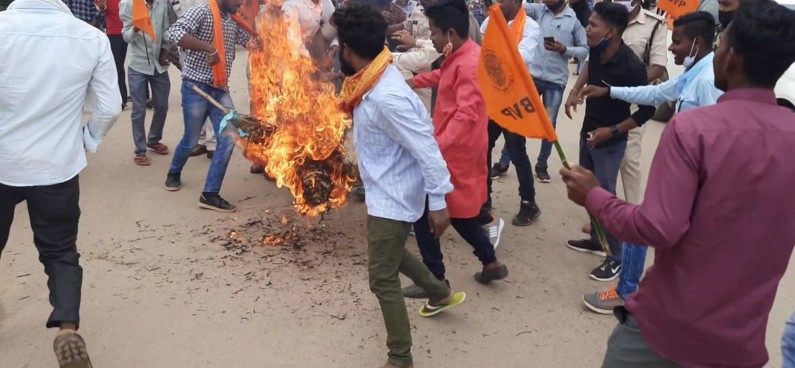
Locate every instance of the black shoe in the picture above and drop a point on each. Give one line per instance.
(210, 154)
(216, 203)
(149, 104)
(542, 175)
(528, 213)
(498, 170)
(486, 277)
(608, 271)
(586, 246)
(173, 182)
(200, 149)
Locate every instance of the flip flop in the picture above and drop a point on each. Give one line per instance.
(429, 310)
(142, 161)
(70, 350)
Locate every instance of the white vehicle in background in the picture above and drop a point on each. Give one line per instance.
(785, 88)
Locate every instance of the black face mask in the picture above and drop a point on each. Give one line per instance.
(345, 67)
(725, 17)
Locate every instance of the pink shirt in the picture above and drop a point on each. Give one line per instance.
(461, 128)
(719, 212)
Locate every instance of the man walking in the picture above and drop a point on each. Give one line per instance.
(714, 242)
(400, 165)
(43, 145)
(603, 137)
(209, 35)
(144, 72)
(118, 46)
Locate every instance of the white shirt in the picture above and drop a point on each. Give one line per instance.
(51, 66)
(310, 16)
(531, 36)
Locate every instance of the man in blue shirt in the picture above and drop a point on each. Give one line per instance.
(692, 40)
(401, 165)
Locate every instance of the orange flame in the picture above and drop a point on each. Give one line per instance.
(304, 114)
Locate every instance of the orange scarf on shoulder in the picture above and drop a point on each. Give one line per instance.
(517, 27)
(219, 69)
(355, 86)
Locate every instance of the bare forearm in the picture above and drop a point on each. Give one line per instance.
(627, 125)
(192, 43)
(655, 72)
(582, 79)
(394, 28)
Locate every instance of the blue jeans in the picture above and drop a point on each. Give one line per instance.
(788, 344)
(196, 109)
(521, 162)
(633, 258)
(552, 96)
(605, 163)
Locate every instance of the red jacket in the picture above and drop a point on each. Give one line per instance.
(461, 128)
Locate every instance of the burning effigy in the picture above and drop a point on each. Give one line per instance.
(299, 131)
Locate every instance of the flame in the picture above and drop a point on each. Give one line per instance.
(304, 149)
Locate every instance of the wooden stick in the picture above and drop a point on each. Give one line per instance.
(209, 98)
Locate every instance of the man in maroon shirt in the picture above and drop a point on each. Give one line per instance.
(117, 45)
(718, 211)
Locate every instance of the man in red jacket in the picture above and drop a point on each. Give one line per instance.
(117, 45)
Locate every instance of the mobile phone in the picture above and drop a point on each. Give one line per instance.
(549, 39)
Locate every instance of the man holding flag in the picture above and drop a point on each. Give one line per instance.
(145, 27)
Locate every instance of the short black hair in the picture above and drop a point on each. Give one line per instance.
(613, 14)
(698, 25)
(361, 28)
(763, 32)
(447, 14)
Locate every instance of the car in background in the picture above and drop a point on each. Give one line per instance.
(785, 88)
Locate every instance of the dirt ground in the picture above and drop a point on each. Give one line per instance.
(165, 286)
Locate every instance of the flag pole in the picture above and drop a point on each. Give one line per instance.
(600, 233)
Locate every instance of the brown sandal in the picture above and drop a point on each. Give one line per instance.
(159, 148)
(142, 161)
(70, 350)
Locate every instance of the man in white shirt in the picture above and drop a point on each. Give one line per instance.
(43, 145)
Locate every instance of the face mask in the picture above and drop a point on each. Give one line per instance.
(557, 6)
(690, 60)
(448, 49)
(628, 4)
(725, 18)
(601, 45)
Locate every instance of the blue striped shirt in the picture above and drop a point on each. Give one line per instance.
(399, 160)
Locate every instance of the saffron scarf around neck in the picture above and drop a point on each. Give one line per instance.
(517, 27)
(219, 69)
(355, 86)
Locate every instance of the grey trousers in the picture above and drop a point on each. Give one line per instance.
(161, 87)
(627, 348)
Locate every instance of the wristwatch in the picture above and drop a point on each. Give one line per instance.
(614, 131)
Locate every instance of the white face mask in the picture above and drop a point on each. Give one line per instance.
(627, 4)
(690, 59)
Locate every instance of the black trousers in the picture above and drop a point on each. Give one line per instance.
(119, 48)
(54, 213)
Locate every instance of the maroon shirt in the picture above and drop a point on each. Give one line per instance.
(719, 212)
(112, 19)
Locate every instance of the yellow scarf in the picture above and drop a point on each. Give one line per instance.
(355, 86)
(219, 69)
(517, 27)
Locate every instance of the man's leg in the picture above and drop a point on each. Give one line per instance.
(226, 144)
(494, 134)
(505, 157)
(528, 210)
(633, 259)
(209, 136)
(54, 214)
(119, 48)
(138, 86)
(194, 110)
(9, 198)
(627, 348)
(430, 248)
(630, 166)
(552, 95)
(387, 257)
(607, 161)
(788, 344)
(473, 233)
(161, 88)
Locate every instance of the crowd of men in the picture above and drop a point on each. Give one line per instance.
(424, 141)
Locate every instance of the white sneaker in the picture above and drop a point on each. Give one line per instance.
(494, 231)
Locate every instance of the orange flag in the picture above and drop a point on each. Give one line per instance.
(141, 19)
(512, 99)
(678, 8)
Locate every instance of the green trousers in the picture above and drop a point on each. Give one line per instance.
(388, 257)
